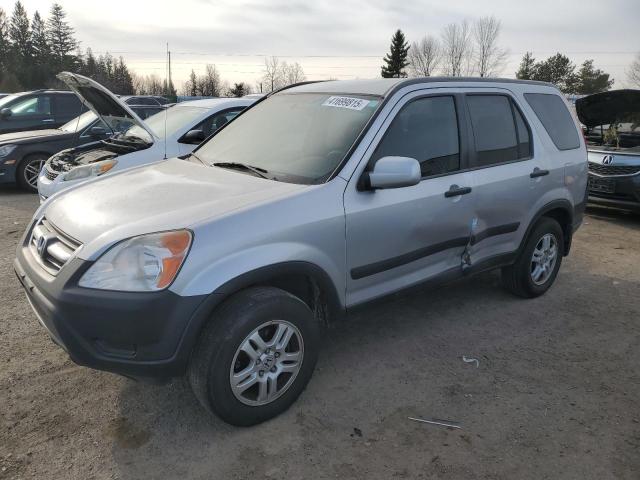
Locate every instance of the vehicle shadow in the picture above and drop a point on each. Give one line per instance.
(622, 218)
(163, 432)
(14, 198)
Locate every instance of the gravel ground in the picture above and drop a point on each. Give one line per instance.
(555, 395)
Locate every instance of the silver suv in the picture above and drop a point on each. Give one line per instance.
(223, 266)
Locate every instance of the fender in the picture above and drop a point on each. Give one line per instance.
(566, 206)
(336, 309)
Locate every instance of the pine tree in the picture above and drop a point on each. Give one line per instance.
(396, 60)
(193, 84)
(4, 42)
(558, 70)
(61, 39)
(41, 52)
(239, 90)
(20, 35)
(592, 80)
(527, 68)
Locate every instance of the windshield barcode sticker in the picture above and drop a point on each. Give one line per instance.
(346, 102)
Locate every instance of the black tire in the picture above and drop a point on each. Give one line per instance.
(22, 171)
(517, 277)
(231, 323)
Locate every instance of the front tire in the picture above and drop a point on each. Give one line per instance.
(537, 266)
(28, 171)
(255, 357)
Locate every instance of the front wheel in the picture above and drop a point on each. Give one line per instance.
(537, 266)
(255, 356)
(28, 171)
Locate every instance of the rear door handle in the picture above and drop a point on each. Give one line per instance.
(47, 120)
(455, 190)
(538, 173)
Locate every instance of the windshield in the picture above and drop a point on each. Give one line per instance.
(296, 137)
(79, 123)
(9, 98)
(177, 118)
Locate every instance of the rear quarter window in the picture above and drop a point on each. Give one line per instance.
(555, 118)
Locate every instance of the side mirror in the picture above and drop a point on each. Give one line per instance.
(193, 137)
(97, 131)
(6, 113)
(395, 172)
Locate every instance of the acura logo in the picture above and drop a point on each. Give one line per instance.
(607, 160)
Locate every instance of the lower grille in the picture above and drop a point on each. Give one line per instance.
(51, 247)
(613, 169)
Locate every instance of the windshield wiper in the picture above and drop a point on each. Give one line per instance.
(242, 166)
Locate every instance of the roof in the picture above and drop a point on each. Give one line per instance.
(384, 86)
(217, 102)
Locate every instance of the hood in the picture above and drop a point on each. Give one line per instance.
(113, 111)
(604, 108)
(164, 196)
(30, 136)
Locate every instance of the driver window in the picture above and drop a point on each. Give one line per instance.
(425, 129)
(32, 106)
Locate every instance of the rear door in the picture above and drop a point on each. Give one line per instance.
(509, 174)
(66, 106)
(402, 236)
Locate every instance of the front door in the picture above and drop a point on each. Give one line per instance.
(400, 237)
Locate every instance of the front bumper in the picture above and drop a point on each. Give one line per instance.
(137, 334)
(615, 191)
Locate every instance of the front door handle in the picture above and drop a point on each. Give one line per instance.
(47, 120)
(538, 173)
(455, 190)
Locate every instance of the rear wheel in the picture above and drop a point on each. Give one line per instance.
(536, 268)
(28, 171)
(255, 357)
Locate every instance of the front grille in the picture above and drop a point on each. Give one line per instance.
(50, 174)
(51, 247)
(613, 169)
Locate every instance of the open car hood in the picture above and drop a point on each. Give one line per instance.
(615, 106)
(113, 112)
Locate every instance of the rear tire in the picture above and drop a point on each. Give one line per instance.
(28, 171)
(527, 277)
(250, 321)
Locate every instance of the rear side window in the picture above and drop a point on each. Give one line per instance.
(425, 129)
(68, 105)
(500, 133)
(555, 119)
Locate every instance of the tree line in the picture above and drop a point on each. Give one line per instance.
(468, 49)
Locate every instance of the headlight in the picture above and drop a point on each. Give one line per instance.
(141, 264)
(6, 150)
(92, 170)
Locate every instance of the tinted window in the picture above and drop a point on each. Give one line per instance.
(556, 119)
(31, 106)
(427, 130)
(494, 130)
(68, 105)
(142, 101)
(524, 141)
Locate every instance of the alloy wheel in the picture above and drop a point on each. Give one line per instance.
(266, 363)
(32, 170)
(543, 259)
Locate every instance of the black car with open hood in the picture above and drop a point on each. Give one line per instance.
(612, 131)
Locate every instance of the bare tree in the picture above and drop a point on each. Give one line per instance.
(272, 76)
(292, 73)
(489, 57)
(457, 49)
(633, 74)
(424, 56)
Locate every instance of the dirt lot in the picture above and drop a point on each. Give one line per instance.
(556, 395)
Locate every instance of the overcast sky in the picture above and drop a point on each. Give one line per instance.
(340, 39)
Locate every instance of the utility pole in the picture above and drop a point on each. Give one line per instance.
(169, 71)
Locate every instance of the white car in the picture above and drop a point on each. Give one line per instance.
(170, 133)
